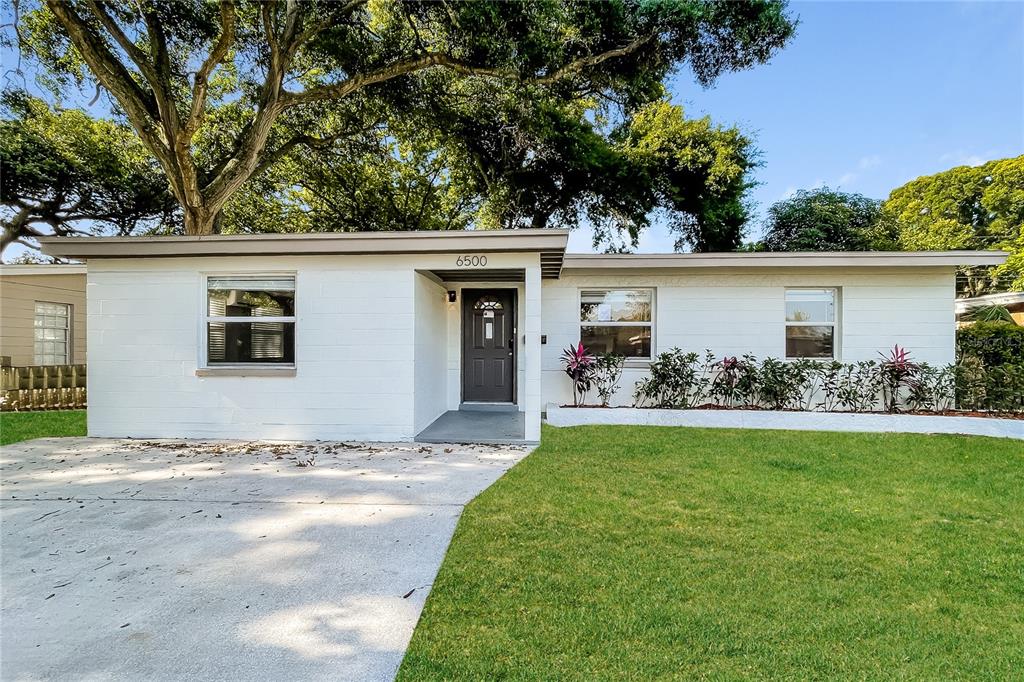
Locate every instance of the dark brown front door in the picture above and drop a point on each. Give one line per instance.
(488, 345)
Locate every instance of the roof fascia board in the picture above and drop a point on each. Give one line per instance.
(41, 269)
(356, 243)
(599, 262)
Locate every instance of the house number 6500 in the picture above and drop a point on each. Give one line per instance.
(470, 261)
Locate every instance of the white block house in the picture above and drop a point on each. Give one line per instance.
(375, 336)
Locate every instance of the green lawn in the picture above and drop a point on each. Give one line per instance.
(18, 426)
(646, 552)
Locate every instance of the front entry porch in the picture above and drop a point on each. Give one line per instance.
(477, 426)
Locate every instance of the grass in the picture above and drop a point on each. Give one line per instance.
(19, 426)
(653, 552)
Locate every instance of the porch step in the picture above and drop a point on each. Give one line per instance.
(489, 407)
(467, 426)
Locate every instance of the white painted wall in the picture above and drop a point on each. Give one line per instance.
(735, 312)
(377, 350)
(354, 352)
(431, 356)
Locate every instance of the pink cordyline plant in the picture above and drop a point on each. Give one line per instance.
(579, 365)
(896, 371)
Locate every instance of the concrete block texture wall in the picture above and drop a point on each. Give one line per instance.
(354, 352)
(734, 312)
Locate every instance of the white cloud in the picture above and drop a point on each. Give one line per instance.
(846, 179)
(872, 161)
(962, 158)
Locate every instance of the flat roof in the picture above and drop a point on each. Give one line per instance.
(760, 259)
(42, 269)
(550, 243)
(1003, 298)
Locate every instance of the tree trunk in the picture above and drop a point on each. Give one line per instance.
(14, 229)
(200, 221)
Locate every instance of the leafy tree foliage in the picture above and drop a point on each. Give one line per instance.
(62, 172)
(967, 207)
(526, 164)
(823, 220)
(221, 92)
(371, 182)
(694, 172)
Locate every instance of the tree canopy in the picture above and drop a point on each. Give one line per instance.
(822, 219)
(409, 176)
(967, 207)
(528, 100)
(62, 172)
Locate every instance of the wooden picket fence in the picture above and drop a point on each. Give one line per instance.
(54, 387)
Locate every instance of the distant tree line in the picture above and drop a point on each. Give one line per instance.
(967, 207)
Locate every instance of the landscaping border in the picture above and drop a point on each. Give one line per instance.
(797, 421)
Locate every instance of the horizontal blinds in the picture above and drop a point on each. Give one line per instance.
(252, 284)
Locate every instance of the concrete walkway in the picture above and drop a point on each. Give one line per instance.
(230, 561)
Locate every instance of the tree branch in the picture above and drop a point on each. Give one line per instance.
(426, 61)
(139, 105)
(134, 52)
(201, 83)
(309, 141)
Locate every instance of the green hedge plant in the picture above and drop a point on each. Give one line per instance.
(684, 380)
(994, 343)
(607, 373)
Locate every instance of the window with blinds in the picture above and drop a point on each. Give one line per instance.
(250, 320)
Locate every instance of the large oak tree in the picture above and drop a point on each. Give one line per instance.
(221, 91)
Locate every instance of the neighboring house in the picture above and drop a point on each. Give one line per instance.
(1013, 301)
(377, 335)
(42, 314)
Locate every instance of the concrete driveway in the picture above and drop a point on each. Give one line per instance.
(230, 561)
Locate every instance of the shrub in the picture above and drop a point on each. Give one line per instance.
(579, 366)
(896, 372)
(1005, 387)
(934, 390)
(970, 383)
(736, 381)
(685, 380)
(856, 386)
(677, 380)
(607, 372)
(999, 388)
(994, 343)
(783, 385)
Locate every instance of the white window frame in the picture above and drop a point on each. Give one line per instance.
(836, 298)
(68, 332)
(652, 324)
(206, 319)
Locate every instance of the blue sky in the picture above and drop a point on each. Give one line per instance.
(869, 95)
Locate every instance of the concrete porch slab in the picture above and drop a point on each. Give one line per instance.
(472, 426)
